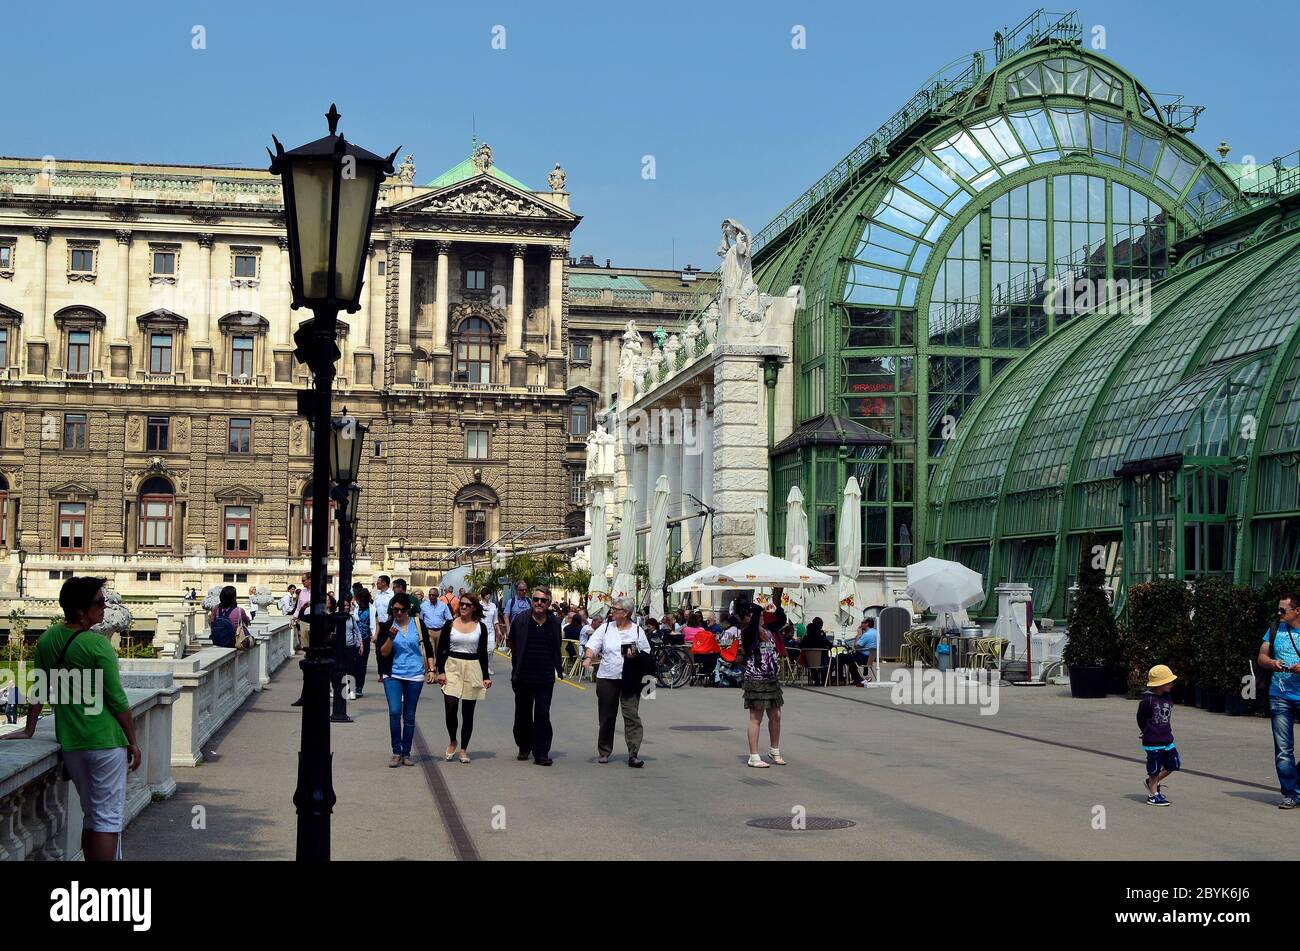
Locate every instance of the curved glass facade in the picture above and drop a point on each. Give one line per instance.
(1046, 190)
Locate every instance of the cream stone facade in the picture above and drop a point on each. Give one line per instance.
(148, 426)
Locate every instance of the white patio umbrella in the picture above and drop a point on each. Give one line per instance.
(657, 546)
(598, 588)
(625, 573)
(942, 585)
(796, 545)
(754, 572)
(690, 582)
(849, 543)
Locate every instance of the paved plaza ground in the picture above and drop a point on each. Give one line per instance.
(919, 782)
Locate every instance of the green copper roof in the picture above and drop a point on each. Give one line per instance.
(618, 282)
(467, 170)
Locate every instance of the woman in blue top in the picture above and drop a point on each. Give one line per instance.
(406, 663)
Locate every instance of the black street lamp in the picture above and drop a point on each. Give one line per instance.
(331, 188)
(22, 560)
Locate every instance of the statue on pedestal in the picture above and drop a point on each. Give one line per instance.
(557, 178)
(406, 171)
(738, 295)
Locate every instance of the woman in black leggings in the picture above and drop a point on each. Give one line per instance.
(462, 663)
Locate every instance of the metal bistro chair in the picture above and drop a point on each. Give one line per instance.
(816, 659)
(574, 670)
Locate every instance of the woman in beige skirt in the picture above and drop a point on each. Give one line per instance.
(462, 664)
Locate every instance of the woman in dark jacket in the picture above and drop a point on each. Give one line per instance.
(462, 663)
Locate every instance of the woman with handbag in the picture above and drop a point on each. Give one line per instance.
(228, 622)
(761, 647)
(462, 663)
(624, 655)
(405, 665)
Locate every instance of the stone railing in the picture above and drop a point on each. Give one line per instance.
(40, 812)
(215, 681)
(681, 351)
(639, 300)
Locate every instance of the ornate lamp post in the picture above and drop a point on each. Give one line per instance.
(331, 188)
(22, 560)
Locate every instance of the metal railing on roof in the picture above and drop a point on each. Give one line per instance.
(1258, 184)
(939, 92)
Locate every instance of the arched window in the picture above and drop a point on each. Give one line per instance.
(305, 528)
(474, 351)
(157, 507)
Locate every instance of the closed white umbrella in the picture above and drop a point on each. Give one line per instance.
(796, 546)
(598, 588)
(657, 550)
(761, 544)
(850, 552)
(625, 573)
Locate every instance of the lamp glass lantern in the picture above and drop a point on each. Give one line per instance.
(347, 440)
(351, 506)
(331, 188)
(22, 556)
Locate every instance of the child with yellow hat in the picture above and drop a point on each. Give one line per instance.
(1154, 717)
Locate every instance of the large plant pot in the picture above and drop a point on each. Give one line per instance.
(1088, 683)
(1213, 700)
(1117, 681)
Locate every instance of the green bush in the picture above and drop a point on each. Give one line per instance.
(1159, 630)
(1092, 639)
(1224, 632)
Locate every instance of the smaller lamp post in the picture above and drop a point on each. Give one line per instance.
(22, 560)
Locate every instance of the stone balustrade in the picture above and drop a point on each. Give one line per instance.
(40, 812)
(215, 681)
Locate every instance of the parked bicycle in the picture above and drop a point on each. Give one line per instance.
(673, 665)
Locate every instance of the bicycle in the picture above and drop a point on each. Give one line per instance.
(673, 665)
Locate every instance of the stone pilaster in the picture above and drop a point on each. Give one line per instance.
(119, 342)
(38, 345)
(441, 342)
(515, 322)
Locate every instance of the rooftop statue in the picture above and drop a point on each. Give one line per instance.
(557, 178)
(406, 171)
(738, 295)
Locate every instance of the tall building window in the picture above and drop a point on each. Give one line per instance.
(83, 260)
(79, 351)
(241, 436)
(160, 353)
(246, 265)
(476, 443)
(158, 434)
(305, 528)
(476, 278)
(4, 346)
(475, 527)
(4, 512)
(577, 486)
(579, 420)
(157, 505)
(72, 526)
(241, 357)
(164, 262)
(6, 256)
(581, 351)
(474, 351)
(238, 531)
(74, 430)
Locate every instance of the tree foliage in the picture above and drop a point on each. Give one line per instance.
(1092, 639)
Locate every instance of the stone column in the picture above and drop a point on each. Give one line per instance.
(555, 319)
(740, 462)
(515, 324)
(607, 367)
(120, 335)
(202, 347)
(39, 344)
(280, 299)
(441, 346)
(378, 318)
(403, 356)
(706, 474)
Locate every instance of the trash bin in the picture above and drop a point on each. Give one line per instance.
(944, 653)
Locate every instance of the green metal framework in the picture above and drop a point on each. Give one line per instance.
(927, 255)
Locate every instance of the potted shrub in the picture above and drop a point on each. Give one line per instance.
(1091, 646)
(1161, 633)
(1214, 621)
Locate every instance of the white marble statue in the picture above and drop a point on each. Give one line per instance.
(557, 178)
(738, 295)
(117, 619)
(672, 351)
(406, 171)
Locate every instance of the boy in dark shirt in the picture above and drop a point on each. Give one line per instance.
(1154, 716)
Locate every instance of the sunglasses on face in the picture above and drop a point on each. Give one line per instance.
(541, 600)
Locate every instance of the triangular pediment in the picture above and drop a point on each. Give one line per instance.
(484, 196)
(238, 493)
(73, 490)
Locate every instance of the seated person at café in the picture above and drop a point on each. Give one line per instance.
(704, 646)
(864, 652)
(815, 640)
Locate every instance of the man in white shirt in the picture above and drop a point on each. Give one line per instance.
(289, 601)
(383, 598)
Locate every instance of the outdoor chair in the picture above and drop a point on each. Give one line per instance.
(788, 670)
(574, 666)
(816, 659)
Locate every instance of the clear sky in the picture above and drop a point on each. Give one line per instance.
(738, 121)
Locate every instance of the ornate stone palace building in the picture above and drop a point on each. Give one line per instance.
(148, 426)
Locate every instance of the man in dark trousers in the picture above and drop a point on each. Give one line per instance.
(535, 665)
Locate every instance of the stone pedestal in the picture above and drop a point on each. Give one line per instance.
(442, 367)
(202, 355)
(403, 364)
(37, 358)
(518, 363)
(119, 359)
(555, 370)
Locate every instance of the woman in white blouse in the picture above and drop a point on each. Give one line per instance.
(613, 642)
(462, 665)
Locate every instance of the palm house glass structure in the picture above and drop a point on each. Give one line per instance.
(933, 257)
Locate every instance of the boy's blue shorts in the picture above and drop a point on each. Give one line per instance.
(1163, 759)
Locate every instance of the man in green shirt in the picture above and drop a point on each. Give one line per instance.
(92, 718)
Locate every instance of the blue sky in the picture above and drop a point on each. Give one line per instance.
(739, 123)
